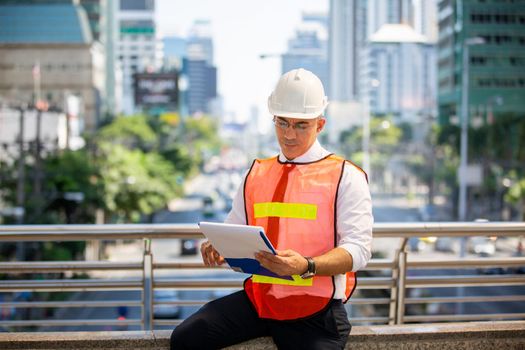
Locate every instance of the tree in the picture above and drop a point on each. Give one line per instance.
(132, 166)
(200, 134)
(136, 182)
(499, 147)
(73, 172)
(129, 131)
(516, 192)
(65, 173)
(384, 143)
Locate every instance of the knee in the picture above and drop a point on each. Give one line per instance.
(177, 339)
(180, 338)
(188, 335)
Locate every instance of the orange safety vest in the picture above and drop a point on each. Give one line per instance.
(307, 225)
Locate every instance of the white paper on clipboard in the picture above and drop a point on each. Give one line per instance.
(238, 245)
(236, 241)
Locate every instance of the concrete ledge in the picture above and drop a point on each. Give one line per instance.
(468, 335)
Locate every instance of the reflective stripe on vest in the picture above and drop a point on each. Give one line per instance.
(285, 210)
(297, 280)
(306, 225)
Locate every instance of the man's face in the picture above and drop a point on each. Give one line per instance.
(296, 136)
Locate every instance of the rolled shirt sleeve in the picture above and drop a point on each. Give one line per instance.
(354, 216)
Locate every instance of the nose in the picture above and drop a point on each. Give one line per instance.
(290, 132)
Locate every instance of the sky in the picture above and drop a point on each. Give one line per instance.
(242, 30)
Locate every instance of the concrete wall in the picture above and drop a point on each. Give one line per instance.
(469, 335)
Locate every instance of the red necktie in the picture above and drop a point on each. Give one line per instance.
(278, 196)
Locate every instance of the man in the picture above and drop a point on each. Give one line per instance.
(316, 210)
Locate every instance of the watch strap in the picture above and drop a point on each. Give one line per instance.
(310, 272)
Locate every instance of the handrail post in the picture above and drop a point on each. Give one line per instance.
(147, 292)
(401, 282)
(394, 291)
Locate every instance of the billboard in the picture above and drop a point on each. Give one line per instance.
(155, 89)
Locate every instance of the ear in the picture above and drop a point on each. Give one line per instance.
(320, 124)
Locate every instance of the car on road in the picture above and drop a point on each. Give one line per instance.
(446, 244)
(483, 246)
(166, 310)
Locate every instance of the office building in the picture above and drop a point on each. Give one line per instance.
(202, 85)
(138, 49)
(174, 51)
(401, 74)
(309, 48)
(101, 15)
(199, 70)
(347, 37)
(496, 67)
(47, 53)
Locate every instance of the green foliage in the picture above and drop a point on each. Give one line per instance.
(69, 171)
(516, 190)
(498, 147)
(61, 251)
(200, 133)
(129, 131)
(384, 140)
(132, 166)
(406, 132)
(74, 171)
(179, 157)
(136, 182)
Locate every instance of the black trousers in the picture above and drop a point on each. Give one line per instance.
(232, 320)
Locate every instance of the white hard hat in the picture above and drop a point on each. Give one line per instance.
(298, 94)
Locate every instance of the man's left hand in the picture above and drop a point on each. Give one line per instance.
(285, 263)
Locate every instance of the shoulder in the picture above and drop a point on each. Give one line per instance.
(354, 173)
(350, 167)
(259, 166)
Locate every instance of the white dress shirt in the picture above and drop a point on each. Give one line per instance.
(354, 213)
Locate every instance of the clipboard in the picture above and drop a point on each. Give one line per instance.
(238, 244)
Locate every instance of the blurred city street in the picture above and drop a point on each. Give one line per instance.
(151, 111)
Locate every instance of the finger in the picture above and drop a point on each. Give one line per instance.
(204, 245)
(266, 255)
(261, 257)
(211, 256)
(217, 256)
(206, 249)
(205, 257)
(287, 252)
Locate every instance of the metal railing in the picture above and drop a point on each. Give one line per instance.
(391, 276)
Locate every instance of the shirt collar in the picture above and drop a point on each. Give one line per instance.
(314, 153)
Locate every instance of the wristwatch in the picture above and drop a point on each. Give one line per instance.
(310, 272)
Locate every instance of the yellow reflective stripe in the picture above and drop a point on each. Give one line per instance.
(285, 210)
(297, 280)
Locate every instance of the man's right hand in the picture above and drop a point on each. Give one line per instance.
(210, 256)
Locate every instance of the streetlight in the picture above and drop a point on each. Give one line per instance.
(463, 152)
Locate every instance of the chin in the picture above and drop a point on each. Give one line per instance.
(290, 156)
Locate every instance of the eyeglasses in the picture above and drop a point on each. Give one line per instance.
(298, 127)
